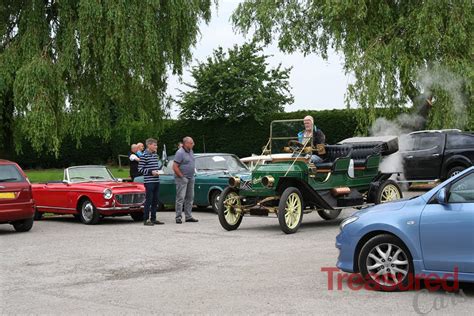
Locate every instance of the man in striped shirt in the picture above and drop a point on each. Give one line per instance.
(148, 166)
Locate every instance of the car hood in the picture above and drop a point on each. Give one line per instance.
(244, 175)
(385, 207)
(115, 186)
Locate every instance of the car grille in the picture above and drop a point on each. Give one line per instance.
(246, 185)
(132, 198)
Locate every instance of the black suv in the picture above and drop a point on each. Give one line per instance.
(436, 154)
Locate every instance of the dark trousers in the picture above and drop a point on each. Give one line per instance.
(151, 199)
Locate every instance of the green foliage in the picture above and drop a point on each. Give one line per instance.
(86, 68)
(242, 139)
(400, 52)
(249, 136)
(236, 85)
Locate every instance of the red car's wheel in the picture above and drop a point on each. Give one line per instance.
(88, 214)
(23, 225)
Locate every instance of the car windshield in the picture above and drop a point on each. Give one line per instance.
(282, 132)
(9, 173)
(82, 174)
(219, 163)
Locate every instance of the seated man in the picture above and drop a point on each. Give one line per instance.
(310, 130)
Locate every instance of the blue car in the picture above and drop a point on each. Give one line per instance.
(430, 236)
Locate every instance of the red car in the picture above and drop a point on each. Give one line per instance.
(16, 203)
(89, 193)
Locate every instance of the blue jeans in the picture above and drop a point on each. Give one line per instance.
(315, 159)
(151, 200)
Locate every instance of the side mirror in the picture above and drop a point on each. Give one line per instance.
(442, 196)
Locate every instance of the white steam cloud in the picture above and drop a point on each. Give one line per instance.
(429, 80)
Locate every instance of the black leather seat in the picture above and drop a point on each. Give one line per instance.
(361, 152)
(332, 153)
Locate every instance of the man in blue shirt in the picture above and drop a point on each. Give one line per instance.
(184, 168)
(148, 166)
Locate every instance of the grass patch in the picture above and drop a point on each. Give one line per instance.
(46, 175)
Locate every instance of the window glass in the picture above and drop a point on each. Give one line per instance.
(460, 140)
(82, 174)
(168, 169)
(428, 142)
(9, 173)
(462, 190)
(219, 162)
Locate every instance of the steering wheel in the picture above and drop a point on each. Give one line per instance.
(295, 145)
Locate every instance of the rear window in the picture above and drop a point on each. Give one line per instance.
(460, 141)
(9, 173)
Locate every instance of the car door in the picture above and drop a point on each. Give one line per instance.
(447, 230)
(54, 195)
(424, 159)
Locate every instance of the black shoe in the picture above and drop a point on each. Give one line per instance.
(148, 223)
(191, 220)
(156, 222)
(179, 221)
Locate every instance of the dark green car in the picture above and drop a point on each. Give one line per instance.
(289, 185)
(212, 177)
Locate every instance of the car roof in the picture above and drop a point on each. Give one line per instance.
(205, 155)
(452, 130)
(6, 162)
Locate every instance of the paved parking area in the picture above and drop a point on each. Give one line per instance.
(64, 267)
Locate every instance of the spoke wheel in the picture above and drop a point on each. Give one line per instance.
(229, 209)
(290, 210)
(88, 213)
(386, 263)
(388, 191)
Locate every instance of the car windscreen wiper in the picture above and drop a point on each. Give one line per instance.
(8, 179)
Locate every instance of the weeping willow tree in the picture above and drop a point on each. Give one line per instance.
(87, 67)
(401, 53)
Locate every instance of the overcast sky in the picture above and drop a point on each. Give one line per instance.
(316, 84)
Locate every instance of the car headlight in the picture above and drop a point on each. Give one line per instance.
(268, 181)
(347, 221)
(234, 182)
(108, 194)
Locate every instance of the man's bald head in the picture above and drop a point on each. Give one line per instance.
(188, 143)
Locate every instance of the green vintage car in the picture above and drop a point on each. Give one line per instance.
(213, 171)
(288, 185)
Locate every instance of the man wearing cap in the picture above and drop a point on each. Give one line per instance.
(310, 130)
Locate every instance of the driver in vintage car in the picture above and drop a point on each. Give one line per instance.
(310, 130)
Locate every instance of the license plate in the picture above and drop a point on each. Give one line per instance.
(7, 195)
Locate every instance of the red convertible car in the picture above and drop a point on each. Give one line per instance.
(89, 193)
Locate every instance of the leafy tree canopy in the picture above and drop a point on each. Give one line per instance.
(85, 67)
(400, 52)
(236, 85)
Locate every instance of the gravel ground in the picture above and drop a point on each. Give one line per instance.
(64, 267)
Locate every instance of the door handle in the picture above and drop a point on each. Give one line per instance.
(409, 157)
(435, 155)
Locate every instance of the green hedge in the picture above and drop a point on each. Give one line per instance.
(242, 139)
(249, 136)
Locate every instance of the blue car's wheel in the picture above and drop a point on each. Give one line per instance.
(386, 264)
